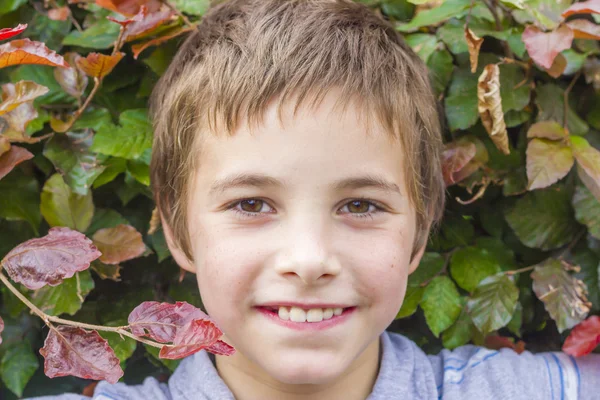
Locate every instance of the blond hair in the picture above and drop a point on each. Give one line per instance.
(245, 53)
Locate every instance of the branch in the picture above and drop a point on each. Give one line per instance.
(97, 83)
(180, 14)
(491, 5)
(48, 318)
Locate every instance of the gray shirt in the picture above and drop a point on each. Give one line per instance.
(406, 372)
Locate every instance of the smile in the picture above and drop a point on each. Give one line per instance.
(300, 319)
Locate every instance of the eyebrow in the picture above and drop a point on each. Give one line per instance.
(263, 181)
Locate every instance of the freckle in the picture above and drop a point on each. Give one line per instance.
(392, 266)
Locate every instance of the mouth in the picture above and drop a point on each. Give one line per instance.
(302, 319)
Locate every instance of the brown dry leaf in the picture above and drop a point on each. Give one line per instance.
(4, 145)
(99, 65)
(139, 47)
(12, 158)
(73, 80)
(118, 244)
(474, 42)
(584, 29)
(489, 105)
(25, 51)
(17, 121)
(154, 221)
(13, 95)
(61, 122)
(59, 14)
(558, 66)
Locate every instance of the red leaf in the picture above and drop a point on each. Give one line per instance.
(24, 51)
(1, 328)
(584, 7)
(73, 351)
(138, 48)
(543, 47)
(118, 244)
(12, 158)
(6, 33)
(50, 259)
(129, 7)
(497, 342)
(193, 337)
(99, 65)
(221, 348)
(584, 29)
(583, 338)
(162, 321)
(454, 158)
(145, 22)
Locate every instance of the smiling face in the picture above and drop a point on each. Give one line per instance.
(305, 228)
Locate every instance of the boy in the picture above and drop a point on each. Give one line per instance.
(296, 167)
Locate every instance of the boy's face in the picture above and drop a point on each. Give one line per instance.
(306, 242)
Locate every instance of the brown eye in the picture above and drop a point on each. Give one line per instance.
(355, 206)
(254, 205)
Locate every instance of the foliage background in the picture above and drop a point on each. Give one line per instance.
(96, 176)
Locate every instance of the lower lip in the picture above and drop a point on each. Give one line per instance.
(308, 326)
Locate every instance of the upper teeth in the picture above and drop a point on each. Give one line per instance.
(297, 314)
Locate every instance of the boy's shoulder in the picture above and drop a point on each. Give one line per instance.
(473, 372)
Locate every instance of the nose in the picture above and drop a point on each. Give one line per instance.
(306, 253)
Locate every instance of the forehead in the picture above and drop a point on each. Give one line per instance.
(316, 146)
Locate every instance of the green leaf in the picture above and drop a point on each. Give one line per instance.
(70, 155)
(430, 265)
(18, 366)
(93, 119)
(549, 99)
(575, 61)
(61, 207)
(587, 210)
(194, 7)
(455, 231)
(441, 304)
(440, 70)
(493, 304)
(153, 356)
(7, 6)
(48, 31)
(105, 218)
(497, 249)
(461, 103)
(411, 301)
(516, 321)
(20, 199)
(543, 218)
(114, 167)
(460, 332)
(159, 244)
(128, 140)
(45, 77)
(423, 44)
(470, 265)
(589, 262)
(140, 168)
(161, 57)
(399, 10)
(66, 297)
(542, 12)
(561, 293)
(447, 10)
(548, 161)
(513, 98)
(101, 35)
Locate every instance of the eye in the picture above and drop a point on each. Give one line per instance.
(252, 208)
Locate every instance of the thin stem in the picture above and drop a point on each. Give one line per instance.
(97, 82)
(468, 19)
(572, 244)
(491, 5)
(518, 271)
(48, 318)
(180, 14)
(566, 99)
(444, 268)
(118, 43)
(24, 299)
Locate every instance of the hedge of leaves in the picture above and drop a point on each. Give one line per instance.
(516, 260)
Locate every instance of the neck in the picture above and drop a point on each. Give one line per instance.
(247, 382)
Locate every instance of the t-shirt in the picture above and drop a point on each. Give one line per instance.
(406, 372)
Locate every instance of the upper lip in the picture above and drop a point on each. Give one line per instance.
(303, 305)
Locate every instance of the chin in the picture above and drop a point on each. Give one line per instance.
(297, 372)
